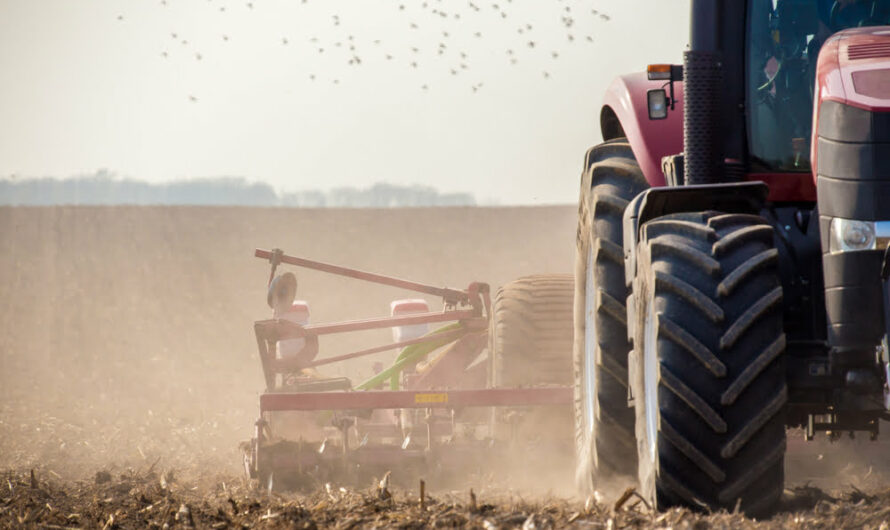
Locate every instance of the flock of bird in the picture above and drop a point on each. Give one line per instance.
(454, 27)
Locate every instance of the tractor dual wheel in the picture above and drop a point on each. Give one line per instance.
(708, 373)
(604, 424)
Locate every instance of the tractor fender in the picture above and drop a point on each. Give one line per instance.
(625, 112)
(733, 197)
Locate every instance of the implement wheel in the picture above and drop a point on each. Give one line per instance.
(531, 332)
(530, 344)
(708, 371)
(604, 424)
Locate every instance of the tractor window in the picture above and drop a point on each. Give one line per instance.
(784, 38)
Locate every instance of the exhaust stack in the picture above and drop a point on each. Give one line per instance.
(703, 78)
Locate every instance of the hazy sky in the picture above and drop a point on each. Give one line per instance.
(86, 85)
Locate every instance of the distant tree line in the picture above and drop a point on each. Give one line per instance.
(104, 187)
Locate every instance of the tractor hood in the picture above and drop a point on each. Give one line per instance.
(854, 68)
(852, 125)
(851, 134)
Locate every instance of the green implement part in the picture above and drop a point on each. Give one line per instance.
(409, 355)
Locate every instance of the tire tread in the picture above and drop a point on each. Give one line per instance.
(721, 384)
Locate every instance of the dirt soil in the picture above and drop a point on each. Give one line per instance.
(128, 372)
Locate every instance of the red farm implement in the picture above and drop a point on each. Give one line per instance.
(431, 411)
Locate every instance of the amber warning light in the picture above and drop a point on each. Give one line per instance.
(659, 72)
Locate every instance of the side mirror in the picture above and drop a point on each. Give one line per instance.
(658, 104)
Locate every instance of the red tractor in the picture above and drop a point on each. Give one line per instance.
(741, 286)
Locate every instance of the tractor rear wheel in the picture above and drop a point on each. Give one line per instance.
(604, 424)
(708, 374)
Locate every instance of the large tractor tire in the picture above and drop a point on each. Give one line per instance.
(708, 370)
(604, 424)
(530, 344)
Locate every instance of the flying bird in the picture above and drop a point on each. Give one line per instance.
(500, 7)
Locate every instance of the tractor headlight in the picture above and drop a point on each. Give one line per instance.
(848, 235)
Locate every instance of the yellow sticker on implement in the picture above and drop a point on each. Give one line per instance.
(431, 398)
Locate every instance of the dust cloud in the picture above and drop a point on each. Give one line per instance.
(127, 333)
